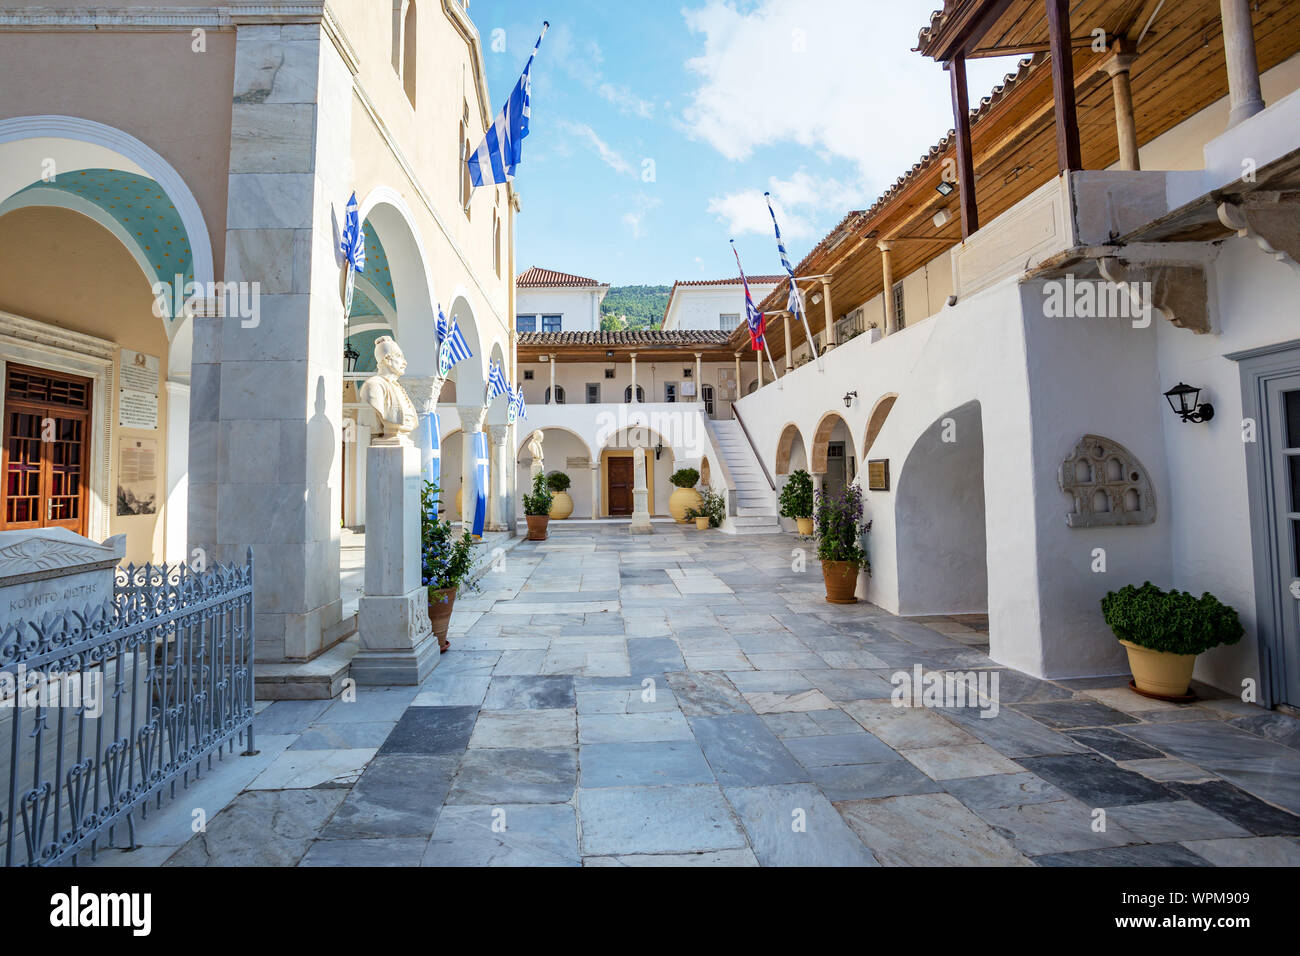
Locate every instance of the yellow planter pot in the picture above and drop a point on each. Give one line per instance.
(1159, 672)
(702, 524)
(561, 505)
(805, 525)
(681, 501)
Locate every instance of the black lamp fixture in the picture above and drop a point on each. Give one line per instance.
(350, 356)
(848, 398)
(659, 449)
(1182, 399)
(945, 188)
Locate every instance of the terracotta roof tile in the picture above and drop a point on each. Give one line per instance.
(536, 278)
(646, 337)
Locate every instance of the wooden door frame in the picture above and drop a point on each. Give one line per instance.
(84, 415)
(609, 453)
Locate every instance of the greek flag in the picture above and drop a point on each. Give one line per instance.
(431, 452)
(511, 410)
(497, 384)
(353, 243)
(795, 302)
(442, 325)
(480, 482)
(753, 318)
(518, 411)
(353, 246)
(502, 148)
(453, 350)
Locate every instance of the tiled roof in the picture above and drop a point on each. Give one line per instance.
(645, 337)
(682, 283)
(937, 21)
(536, 278)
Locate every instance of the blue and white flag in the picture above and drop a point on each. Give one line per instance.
(353, 246)
(511, 409)
(442, 326)
(518, 411)
(431, 452)
(497, 384)
(480, 482)
(502, 148)
(795, 302)
(453, 350)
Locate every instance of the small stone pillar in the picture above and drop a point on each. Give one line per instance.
(887, 273)
(496, 520)
(640, 495)
(786, 317)
(1243, 65)
(699, 378)
(397, 644)
(1118, 68)
(828, 311)
(634, 398)
(595, 490)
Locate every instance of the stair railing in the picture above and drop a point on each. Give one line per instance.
(754, 448)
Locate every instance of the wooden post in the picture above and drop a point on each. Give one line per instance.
(887, 272)
(1118, 67)
(829, 313)
(758, 363)
(1068, 156)
(970, 220)
(789, 342)
(1243, 66)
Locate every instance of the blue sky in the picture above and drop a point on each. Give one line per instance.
(658, 125)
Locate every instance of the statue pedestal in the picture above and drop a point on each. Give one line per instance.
(640, 495)
(397, 643)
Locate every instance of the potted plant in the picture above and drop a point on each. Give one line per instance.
(1163, 631)
(711, 511)
(839, 530)
(445, 561)
(537, 509)
(796, 500)
(561, 504)
(684, 496)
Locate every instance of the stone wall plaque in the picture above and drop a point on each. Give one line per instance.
(878, 474)
(1110, 487)
(577, 464)
(138, 376)
(137, 476)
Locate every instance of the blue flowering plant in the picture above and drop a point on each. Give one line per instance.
(840, 527)
(445, 559)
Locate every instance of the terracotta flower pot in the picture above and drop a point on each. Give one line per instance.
(702, 524)
(440, 605)
(805, 526)
(681, 501)
(841, 581)
(561, 505)
(537, 527)
(1160, 673)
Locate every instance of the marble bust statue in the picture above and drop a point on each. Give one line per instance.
(535, 452)
(385, 394)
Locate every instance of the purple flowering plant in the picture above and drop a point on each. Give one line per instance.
(840, 528)
(445, 560)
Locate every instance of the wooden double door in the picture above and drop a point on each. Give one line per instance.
(622, 480)
(46, 449)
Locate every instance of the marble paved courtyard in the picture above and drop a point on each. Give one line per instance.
(688, 698)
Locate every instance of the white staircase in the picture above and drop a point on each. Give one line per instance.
(755, 500)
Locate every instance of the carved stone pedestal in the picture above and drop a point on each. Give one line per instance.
(397, 643)
(640, 495)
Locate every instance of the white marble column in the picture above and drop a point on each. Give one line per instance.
(471, 423)
(1118, 68)
(887, 273)
(497, 435)
(634, 398)
(267, 391)
(595, 489)
(640, 495)
(699, 378)
(740, 392)
(551, 397)
(758, 364)
(1243, 66)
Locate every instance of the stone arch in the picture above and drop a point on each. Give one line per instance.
(876, 420)
(621, 441)
(397, 279)
(469, 375)
(499, 406)
(791, 452)
(941, 543)
(822, 438)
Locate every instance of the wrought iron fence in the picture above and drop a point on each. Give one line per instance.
(109, 708)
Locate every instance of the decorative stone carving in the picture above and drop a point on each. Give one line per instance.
(1180, 290)
(640, 495)
(535, 450)
(1272, 224)
(385, 394)
(1109, 485)
(54, 570)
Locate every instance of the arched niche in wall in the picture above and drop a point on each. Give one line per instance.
(1108, 484)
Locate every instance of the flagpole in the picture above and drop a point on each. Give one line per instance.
(749, 306)
(795, 296)
(776, 378)
(798, 305)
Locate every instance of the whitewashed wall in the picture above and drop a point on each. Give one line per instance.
(580, 308)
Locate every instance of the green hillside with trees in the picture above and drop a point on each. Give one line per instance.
(642, 305)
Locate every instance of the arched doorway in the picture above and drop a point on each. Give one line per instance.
(562, 450)
(833, 456)
(790, 452)
(617, 457)
(104, 248)
(939, 518)
(876, 421)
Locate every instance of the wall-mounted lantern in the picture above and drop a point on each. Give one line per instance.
(848, 399)
(659, 450)
(350, 356)
(1182, 399)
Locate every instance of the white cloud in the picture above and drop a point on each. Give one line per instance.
(801, 202)
(626, 101)
(836, 76)
(635, 218)
(608, 155)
